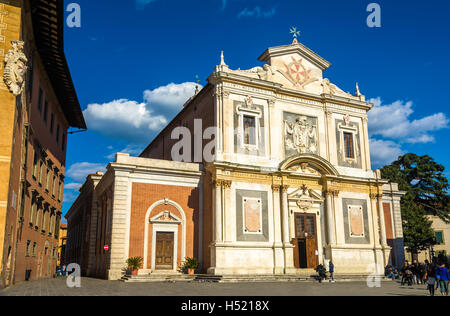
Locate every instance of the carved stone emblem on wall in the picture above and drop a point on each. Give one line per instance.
(297, 73)
(304, 168)
(305, 198)
(15, 68)
(300, 135)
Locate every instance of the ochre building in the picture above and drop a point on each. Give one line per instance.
(272, 176)
(38, 105)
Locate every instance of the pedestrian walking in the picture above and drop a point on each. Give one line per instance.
(430, 277)
(443, 276)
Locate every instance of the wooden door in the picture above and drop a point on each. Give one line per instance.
(164, 251)
(306, 241)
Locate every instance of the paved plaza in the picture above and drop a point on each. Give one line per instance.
(95, 287)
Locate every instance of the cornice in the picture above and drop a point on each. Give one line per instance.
(277, 91)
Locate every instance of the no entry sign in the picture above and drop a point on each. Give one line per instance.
(106, 247)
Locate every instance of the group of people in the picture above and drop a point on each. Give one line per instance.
(322, 271)
(61, 270)
(435, 275)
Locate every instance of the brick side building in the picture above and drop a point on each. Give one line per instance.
(42, 105)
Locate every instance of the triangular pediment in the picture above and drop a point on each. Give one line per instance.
(296, 49)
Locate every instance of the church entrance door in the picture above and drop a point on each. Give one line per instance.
(306, 251)
(164, 251)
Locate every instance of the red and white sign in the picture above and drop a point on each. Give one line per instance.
(106, 247)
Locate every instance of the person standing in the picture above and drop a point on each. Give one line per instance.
(443, 276)
(430, 277)
(331, 270)
(403, 271)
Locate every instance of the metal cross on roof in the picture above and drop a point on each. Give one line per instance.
(294, 32)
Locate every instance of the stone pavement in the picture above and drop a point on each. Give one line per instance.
(94, 287)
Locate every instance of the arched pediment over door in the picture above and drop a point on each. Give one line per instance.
(308, 164)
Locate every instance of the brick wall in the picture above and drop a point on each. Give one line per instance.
(143, 196)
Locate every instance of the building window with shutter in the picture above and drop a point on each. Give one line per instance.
(349, 148)
(27, 253)
(439, 238)
(35, 164)
(249, 130)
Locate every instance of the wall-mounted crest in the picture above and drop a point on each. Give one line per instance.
(15, 68)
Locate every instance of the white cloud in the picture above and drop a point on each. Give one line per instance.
(138, 122)
(257, 12)
(384, 152)
(172, 96)
(393, 121)
(73, 186)
(80, 170)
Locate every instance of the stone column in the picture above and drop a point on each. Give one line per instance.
(285, 214)
(218, 211)
(330, 222)
(382, 222)
(226, 214)
(376, 229)
(366, 144)
(276, 214)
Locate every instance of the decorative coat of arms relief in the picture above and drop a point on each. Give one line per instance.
(300, 136)
(15, 68)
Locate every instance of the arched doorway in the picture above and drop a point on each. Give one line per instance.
(164, 237)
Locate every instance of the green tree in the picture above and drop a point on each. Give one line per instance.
(426, 190)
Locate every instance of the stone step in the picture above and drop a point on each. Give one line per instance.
(158, 278)
(240, 278)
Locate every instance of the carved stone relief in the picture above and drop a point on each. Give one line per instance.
(15, 68)
(300, 134)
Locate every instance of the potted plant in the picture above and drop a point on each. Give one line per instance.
(190, 265)
(134, 264)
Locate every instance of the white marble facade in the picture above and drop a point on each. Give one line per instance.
(308, 153)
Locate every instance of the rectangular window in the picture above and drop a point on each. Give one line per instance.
(44, 222)
(45, 111)
(47, 184)
(38, 218)
(41, 95)
(54, 185)
(34, 249)
(439, 238)
(35, 163)
(249, 130)
(32, 212)
(348, 141)
(27, 252)
(41, 171)
(52, 122)
(60, 191)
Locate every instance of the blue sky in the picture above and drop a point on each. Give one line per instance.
(134, 62)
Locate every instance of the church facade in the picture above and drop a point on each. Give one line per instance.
(273, 177)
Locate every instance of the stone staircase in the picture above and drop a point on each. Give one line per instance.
(156, 277)
(305, 276)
